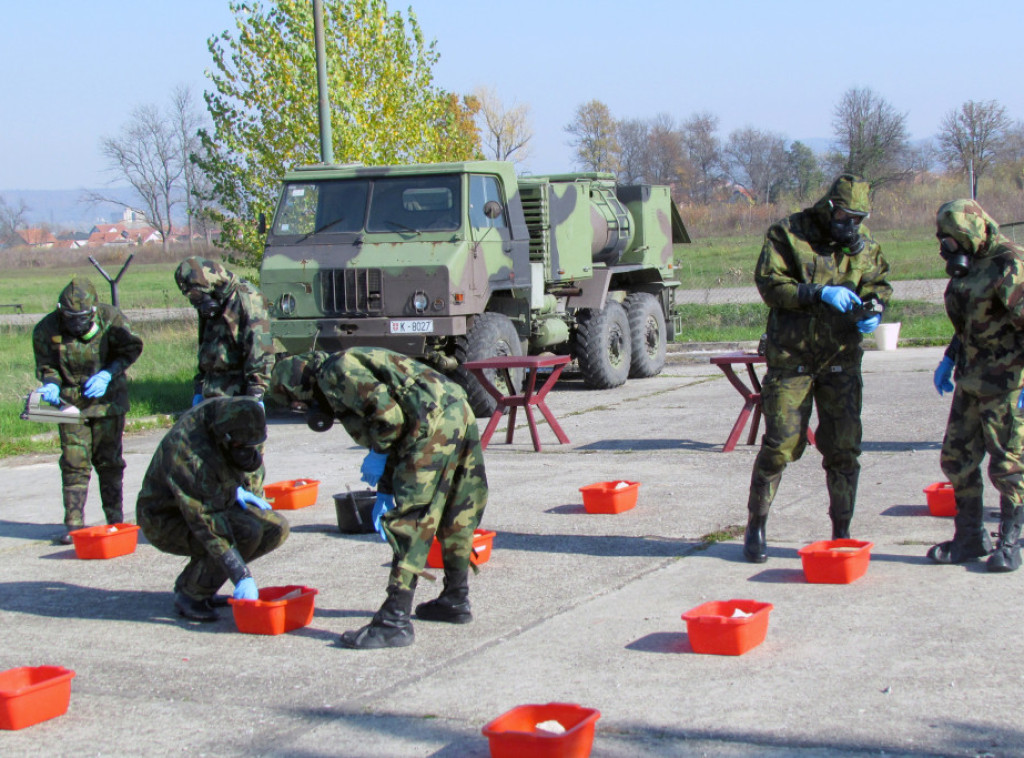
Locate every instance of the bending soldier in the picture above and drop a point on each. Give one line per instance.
(194, 502)
(823, 278)
(82, 350)
(985, 303)
(425, 459)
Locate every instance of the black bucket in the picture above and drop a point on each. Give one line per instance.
(355, 511)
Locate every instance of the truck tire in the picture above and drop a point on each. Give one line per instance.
(603, 346)
(491, 335)
(648, 334)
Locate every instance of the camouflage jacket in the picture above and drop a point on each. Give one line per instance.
(236, 350)
(986, 308)
(68, 362)
(190, 477)
(395, 405)
(797, 260)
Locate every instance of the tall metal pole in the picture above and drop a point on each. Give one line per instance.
(326, 143)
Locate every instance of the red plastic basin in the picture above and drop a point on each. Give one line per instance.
(483, 541)
(107, 541)
(279, 610)
(610, 497)
(835, 561)
(291, 494)
(31, 694)
(515, 734)
(715, 629)
(940, 499)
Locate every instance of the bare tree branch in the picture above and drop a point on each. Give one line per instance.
(506, 131)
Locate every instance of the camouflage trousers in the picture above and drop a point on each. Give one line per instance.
(979, 425)
(455, 509)
(252, 531)
(787, 398)
(96, 443)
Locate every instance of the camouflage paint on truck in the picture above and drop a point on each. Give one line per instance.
(456, 261)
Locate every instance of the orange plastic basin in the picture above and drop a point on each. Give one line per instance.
(31, 694)
(714, 628)
(610, 497)
(515, 734)
(279, 610)
(940, 499)
(835, 561)
(292, 494)
(107, 541)
(483, 541)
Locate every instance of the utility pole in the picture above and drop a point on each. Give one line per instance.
(324, 111)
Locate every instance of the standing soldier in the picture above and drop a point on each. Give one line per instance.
(823, 277)
(985, 303)
(424, 452)
(194, 501)
(236, 349)
(82, 350)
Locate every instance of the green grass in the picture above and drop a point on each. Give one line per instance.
(161, 383)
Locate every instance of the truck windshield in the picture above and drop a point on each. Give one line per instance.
(388, 204)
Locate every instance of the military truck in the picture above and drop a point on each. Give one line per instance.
(454, 262)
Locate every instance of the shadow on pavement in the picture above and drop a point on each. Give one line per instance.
(599, 545)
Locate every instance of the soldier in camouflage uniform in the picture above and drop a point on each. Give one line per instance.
(82, 350)
(817, 270)
(194, 502)
(420, 428)
(236, 350)
(985, 303)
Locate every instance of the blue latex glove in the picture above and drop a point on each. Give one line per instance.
(1020, 400)
(869, 325)
(96, 386)
(384, 504)
(373, 467)
(943, 376)
(51, 393)
(196, 400)
(243, 496)
(246, 589)
(840, 298)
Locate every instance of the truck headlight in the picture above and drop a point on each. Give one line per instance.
(286, 304)
(420, 301)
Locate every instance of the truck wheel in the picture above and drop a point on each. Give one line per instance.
(603, 346)
(648, 334)
(491, 335)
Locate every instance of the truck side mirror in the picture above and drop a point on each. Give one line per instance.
(262, 223)
(492, 209)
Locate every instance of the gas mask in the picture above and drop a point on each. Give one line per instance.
(79, 324)
(245, 457)
(206, 304)
(845, 232)
(317, 419)
(956, 258)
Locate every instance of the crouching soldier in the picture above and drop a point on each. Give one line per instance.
(425, 460)
(194, 502)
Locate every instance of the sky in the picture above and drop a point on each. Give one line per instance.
(76, 70)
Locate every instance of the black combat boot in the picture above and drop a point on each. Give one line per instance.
(1006, 556)
(755, 548)
(391, 625)
(74, 512)
(966, 545)
(452, 605)
(192, 609)
(111, 496)
(841, 528)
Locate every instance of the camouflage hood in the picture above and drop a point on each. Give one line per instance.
(293, 377)
(204, 275)
(849, 192)
(237, 420)
(79, 296)
(967, 223)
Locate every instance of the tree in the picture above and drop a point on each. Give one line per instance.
(187, 121)
(385, 108)
(593, 138)
(803, 170)
(506, 130)
(12, 217)
(147, 155)
(632, 136)
(704, 151)
(871, 137)
(970, 137)
(757, 161)
(666, 155)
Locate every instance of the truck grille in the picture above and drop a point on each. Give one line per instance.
(352, 292)
(535, 209)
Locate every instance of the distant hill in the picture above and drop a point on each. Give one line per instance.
(64, 209)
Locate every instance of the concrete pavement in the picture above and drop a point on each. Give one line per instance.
(911, 660)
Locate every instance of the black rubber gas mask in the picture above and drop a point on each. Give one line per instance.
(79, 324)
(245, 457)
(206, 304)
(845, 230)
(956, 258)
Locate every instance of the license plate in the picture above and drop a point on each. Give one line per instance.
(412, 327)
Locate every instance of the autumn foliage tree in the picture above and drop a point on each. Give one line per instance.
(385, 107)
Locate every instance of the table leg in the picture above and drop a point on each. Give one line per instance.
(492, 425)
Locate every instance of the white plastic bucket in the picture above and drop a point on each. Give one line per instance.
(887, 336)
